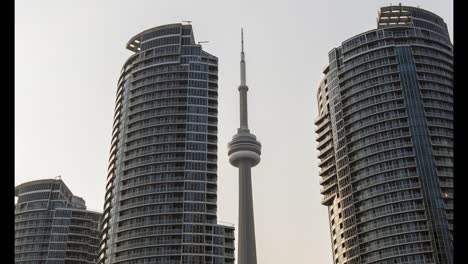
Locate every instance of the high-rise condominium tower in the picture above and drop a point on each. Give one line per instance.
(160, 202)
(385, 133)
(244, 153)
(53, 226)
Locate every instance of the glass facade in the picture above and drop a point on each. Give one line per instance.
(385, 141)
(161, 193)
(53, 226)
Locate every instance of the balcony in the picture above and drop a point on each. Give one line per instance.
(328, 199)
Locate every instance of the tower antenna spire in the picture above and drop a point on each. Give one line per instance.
(242, 38)
(243, 88)
(243, 78)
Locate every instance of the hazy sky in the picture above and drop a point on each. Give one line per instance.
(68, 56)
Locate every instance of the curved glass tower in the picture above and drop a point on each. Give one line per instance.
(53, 226)
(385, 134)
(160, 203)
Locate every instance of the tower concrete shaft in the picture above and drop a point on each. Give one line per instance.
(244, 152)
(247, 249)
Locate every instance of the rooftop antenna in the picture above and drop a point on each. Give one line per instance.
(242, 39)
(204, 41)
(187, 21)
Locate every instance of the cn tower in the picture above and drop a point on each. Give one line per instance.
(244, 153)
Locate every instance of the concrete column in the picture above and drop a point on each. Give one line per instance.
(247, 253)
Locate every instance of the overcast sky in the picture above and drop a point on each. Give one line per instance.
(68, 56)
